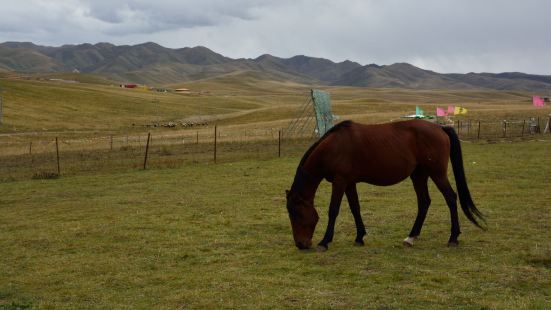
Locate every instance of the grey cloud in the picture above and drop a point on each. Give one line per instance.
(151, 16)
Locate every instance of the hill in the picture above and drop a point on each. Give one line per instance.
(150, 63)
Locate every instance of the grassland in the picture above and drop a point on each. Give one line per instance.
(204, 235)
(191, 238)
(57, 108)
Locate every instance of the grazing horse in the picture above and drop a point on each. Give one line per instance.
(383, 154)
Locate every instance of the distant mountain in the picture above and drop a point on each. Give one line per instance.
(150, 63)
(407, 76)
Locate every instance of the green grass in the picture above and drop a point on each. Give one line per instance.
(218, 236)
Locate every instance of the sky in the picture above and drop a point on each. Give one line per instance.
(446, 36)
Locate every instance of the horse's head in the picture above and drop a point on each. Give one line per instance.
(303, 218)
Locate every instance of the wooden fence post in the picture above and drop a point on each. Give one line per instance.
(31, 153)
(146, 151)
(504, 128)
(197, 141)
(523, 125)
(57, 156)
(111, 142)
(279, 143)
(478, 132)
(215, 131)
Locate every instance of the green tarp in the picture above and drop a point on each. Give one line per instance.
(322, 108)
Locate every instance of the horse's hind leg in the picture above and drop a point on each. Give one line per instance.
(419, 177)
(352, 196)
(446, 189)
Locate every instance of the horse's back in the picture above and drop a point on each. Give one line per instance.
(383, 154)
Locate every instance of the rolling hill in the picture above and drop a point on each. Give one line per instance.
(150, 63)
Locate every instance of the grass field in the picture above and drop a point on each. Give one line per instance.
(204, 235)
(52, 108)
(218, 236)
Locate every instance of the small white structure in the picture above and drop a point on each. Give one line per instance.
(182, 90)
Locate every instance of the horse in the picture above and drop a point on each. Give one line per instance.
(382, 155)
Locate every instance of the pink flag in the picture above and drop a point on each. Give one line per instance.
(537, 101)
(440, 112)
(451, 109)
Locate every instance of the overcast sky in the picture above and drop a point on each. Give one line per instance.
(441, 35)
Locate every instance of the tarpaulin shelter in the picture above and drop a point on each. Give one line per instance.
(314, 118)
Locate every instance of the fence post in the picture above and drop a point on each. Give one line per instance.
(146, 151)
(31, 153)
(279, 143)
(478, 132)
(57, 156)
(523, 125)
(111, 142)
(504, 128)
(197, 141)
(215, 131)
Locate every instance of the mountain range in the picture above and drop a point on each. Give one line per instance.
(150, 63)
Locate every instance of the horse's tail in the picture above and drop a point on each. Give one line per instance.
(465, 199)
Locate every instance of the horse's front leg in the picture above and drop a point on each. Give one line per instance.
(354, 203)
(336, 197)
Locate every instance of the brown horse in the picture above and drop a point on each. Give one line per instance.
(382, 155)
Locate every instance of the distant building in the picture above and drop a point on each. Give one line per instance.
(128, 85)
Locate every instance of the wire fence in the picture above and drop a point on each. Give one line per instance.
(50, 158)
(479, 129)
(42, 159)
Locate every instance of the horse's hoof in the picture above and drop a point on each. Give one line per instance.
(321, 248)
(359, 243)
(453, 244)
(408, 242)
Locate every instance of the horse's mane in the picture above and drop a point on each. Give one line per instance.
(302, 176)
(339, 126)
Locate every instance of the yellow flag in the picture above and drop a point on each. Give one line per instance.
(460, 110)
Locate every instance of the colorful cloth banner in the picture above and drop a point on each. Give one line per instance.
(441, 112)
(537, 101)
(451, 109)
(459, 110)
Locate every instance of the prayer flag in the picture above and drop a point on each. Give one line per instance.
(441, 112)
(451, 109)
(459, 110)
(537, 101)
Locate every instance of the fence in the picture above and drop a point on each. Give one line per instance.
(53, 157)
(50, 158)
(478, 129)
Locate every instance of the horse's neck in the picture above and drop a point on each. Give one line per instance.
(305, 184)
